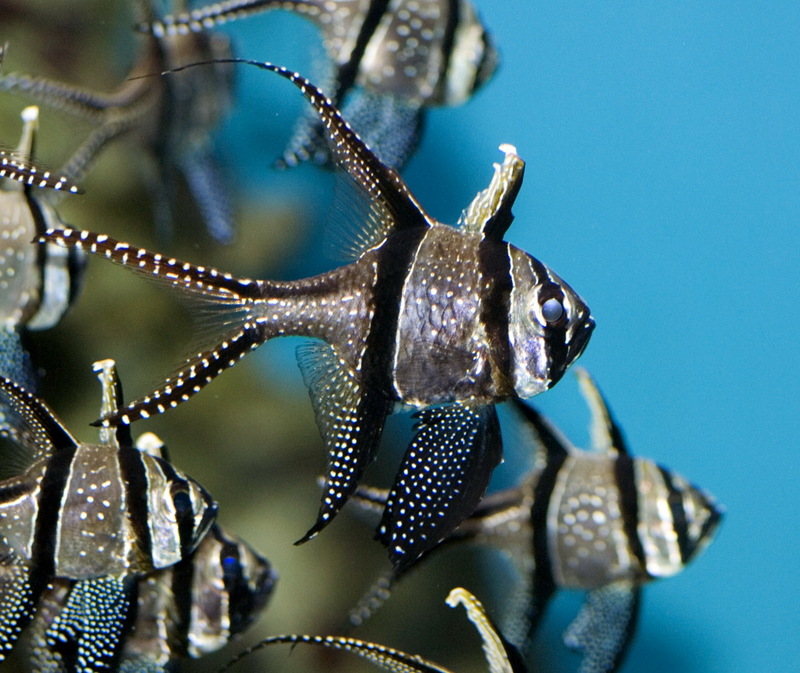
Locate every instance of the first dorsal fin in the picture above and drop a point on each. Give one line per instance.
(490, 211)
(120, 435)
(36, 425)
(546, 437)
(606, 434)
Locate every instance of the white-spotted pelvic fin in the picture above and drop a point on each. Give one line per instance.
(500, 655)
(490, 211)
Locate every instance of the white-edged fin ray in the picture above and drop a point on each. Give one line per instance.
(490, 211)
(86, 633)
(34, 423)
(111, 388)
(444, 473)
(501, 656)
(606, 434)
(350, 421)
(17, 598)
(604, 626)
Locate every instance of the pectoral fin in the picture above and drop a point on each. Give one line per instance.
(444, 474)
(350, 420)
(604, 626)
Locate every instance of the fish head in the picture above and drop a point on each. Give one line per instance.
(549, 325)
(677, 520)
(233, 583)
(181, 512)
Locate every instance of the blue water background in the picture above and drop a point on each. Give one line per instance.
(663, 182)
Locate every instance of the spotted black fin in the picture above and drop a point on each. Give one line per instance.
(604, 626)
(606, 434)
(35, 424)
(544, 436)
(85, 626)
(490, 211)
(373, 598)
(350, 421)
(18, 596)
(444, 473)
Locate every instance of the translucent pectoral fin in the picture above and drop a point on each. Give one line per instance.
(444, 474)
(84, 626)
(604, 626)
(350, 420)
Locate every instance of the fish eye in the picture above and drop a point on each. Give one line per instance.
(552, 310)
(183, 503)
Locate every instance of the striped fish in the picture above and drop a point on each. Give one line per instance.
(391, 59)
(106, 513)
(501, 656)
(601, 521)
(189, 609)
(172, 119)
(447, 320)
(37, 282)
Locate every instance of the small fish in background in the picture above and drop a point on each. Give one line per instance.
(601, 521)
(37, 282)
(501, 656)
(447, 320)
(390, 59)
(187, 610)
(171, 118)
(105, 514)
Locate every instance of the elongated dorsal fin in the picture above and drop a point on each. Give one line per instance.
(394, 206)
(490, 211)
(606, 435)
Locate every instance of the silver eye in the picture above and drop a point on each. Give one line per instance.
(552, 310)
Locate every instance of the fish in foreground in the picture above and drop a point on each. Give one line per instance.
(105, 513)
(501, 656)
(189, 609)
(391, 60)
(601, 521)
(171, 118)
(446, 320)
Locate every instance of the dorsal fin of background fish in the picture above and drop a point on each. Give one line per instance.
(500, 655)
(176, 118)
(401, 56)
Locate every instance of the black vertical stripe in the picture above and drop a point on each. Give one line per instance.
(136, 484)
(453, 19)
(53, 485)
(186, 528)
(543, 580)
(679, 521)
(494, 265)
(625, 477)
(349, 71)
(395, 260)
(183, 596)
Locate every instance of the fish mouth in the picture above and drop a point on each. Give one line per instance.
(575, 349)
